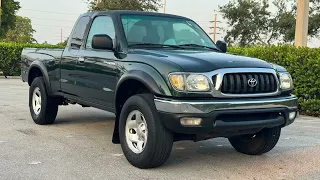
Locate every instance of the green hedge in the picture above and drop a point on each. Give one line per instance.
(302, 63)
(10, 54)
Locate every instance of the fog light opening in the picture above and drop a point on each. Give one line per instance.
(292, 115)
(190, 121)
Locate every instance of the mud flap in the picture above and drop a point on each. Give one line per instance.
(115, 137)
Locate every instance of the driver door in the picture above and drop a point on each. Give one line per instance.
(98, 68)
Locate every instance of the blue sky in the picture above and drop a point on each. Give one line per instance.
(49, 17)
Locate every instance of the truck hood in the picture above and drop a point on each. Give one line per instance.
(203, 61)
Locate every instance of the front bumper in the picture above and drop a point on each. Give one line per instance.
(227, 115)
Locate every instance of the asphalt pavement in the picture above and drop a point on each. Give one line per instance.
(78, 146)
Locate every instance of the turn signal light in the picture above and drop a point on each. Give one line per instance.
(177, 81)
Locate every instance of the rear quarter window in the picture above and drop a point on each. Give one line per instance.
(78, 32)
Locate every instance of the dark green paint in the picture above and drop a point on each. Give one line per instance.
(96, 79)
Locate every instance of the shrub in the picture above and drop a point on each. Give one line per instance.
(10, 56)
(302, 63)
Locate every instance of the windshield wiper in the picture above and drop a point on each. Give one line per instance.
(156, 45)
(197, 45)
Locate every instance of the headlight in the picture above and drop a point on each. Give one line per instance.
(190, 82)
(197, 83)
(286, 81)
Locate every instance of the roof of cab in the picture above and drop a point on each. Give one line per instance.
(131, 12)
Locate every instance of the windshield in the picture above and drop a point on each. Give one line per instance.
(148, 30)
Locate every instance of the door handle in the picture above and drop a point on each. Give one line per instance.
(81, 59)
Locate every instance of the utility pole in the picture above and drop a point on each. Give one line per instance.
(214, 27)
(164, 6)
(61, 35)
(301, 38)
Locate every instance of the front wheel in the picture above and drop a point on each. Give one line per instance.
(257, 144)
(43, 108)
(145, 142)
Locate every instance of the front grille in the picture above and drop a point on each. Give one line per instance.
(238, 83)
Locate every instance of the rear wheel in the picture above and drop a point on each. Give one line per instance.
(144, 140)
(43, 108)
(257, 144)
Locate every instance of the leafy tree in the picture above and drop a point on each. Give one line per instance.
(287, 19)
(314, 18)
(248, 20)
(139, 5)
(8, 15)
(22, 31)
(251, 21)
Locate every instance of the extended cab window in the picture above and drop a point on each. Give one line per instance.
(78, 33)
(101, 25)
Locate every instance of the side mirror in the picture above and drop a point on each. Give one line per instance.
(222, 46)
(102, 41)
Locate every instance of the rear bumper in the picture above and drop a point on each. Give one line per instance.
(227, 116)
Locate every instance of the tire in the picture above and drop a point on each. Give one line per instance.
(158, 140)
(257, 144)
(46, 112)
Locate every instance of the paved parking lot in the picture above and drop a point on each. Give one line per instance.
(78, 146)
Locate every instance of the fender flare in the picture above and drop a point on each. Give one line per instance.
(43, 69)
(142, 77)
(146, 80)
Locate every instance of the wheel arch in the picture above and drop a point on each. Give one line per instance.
(37, 69)
(132, 83)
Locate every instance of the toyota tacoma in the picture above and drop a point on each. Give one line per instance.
(165, 80)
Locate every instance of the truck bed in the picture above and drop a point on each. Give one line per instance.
(48, 57)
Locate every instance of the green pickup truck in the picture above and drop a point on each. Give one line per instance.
(165, 80)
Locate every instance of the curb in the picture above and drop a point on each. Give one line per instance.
(304, 117)
(10, 77)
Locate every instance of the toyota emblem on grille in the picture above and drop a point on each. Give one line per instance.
(252, 82)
